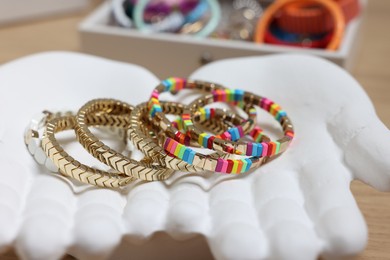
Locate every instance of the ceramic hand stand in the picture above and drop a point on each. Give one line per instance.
(298, 206)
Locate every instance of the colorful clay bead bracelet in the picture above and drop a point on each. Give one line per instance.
(229, 96)
(227, 119)
(226, 165)
(215, 120)
(153, 149)
(211, 163)
(214, 115)
(149, 146)
(262, 146)
(105, 154)
(177, 84)
(220, 94)
(203, 161)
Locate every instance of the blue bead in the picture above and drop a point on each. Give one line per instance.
(191, 157)
(259, 150)
(254, 149)
(205, 139)
(234, 133)
(280, 115)
(167, 84)
(237, 133)
(238, 94)
(207, 113)
(248, 166)
(186, 154)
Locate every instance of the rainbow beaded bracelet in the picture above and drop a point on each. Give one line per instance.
(261, 147)
(258, 152)
(154, 150)
(176, 84)
(236, 97)
(149, 146)
(210, 163)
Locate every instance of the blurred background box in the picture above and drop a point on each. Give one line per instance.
(172, 54)
(21, 10)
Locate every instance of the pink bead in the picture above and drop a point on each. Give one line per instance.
(224, 166)
(173, 147)
(155, 94)
(265, 149)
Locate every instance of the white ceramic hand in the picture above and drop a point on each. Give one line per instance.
(296, 207)
(302, 200)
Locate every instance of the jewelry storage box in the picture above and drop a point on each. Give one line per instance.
(171, 54)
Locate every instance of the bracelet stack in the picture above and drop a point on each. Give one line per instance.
(201, 138)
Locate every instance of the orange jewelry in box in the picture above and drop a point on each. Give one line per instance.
(169, 54)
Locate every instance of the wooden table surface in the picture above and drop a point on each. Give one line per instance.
(372, 70)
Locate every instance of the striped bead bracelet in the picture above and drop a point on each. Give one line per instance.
(227, 142)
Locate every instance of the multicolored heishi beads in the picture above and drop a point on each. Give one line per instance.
(175, 148)
(256, 151)
(232, 96)
(174, 84)
(154, 104)
(257, 148)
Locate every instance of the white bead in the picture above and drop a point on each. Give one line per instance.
(27, 135)
(37, 120)
(32, 146)
(40, 156)
(50, 165)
